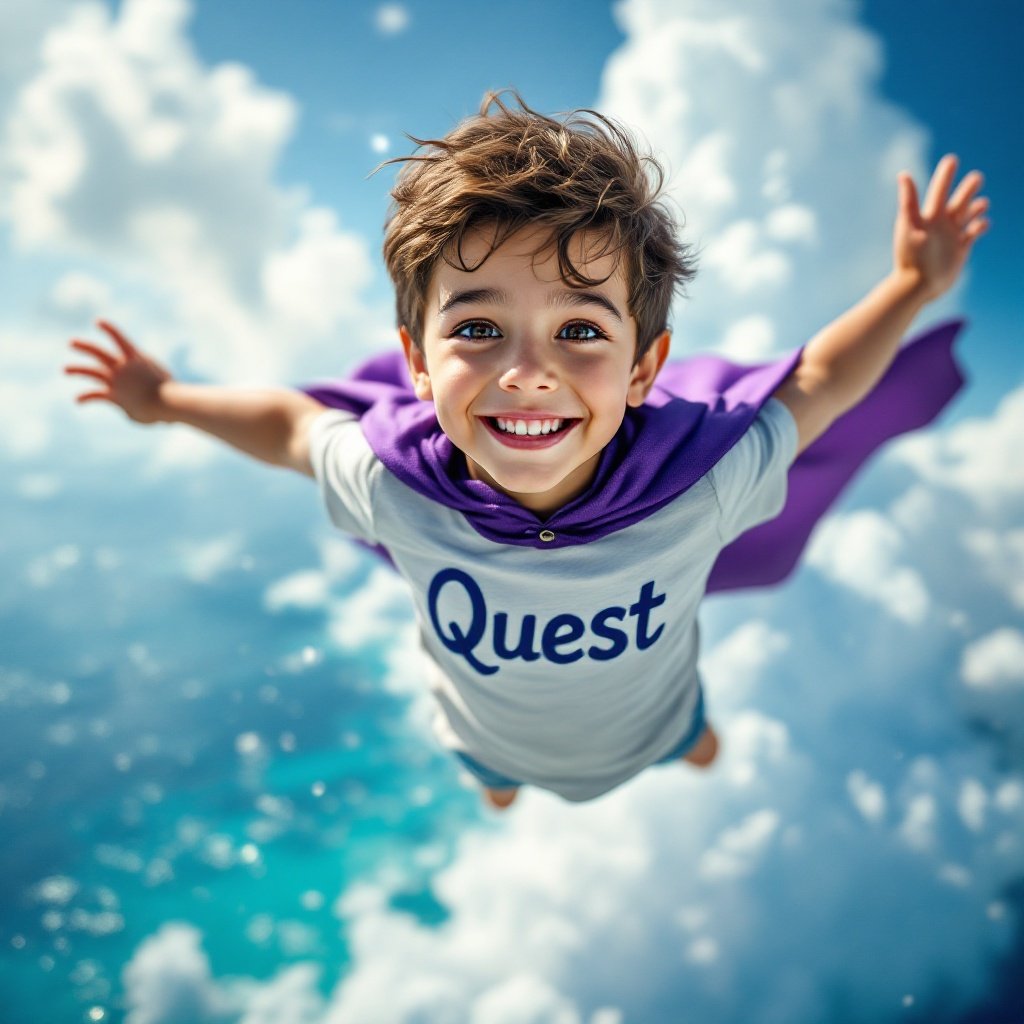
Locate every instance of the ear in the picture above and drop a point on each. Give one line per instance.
(642, 379)
(417, 365)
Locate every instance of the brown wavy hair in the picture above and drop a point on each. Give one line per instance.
(514, 168)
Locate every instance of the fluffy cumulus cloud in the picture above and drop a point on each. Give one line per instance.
(944, 556)
(203, 561)
(771, 124)
(22, 28)
(722, 891)
(169, 979)
(995, 660)
(369, 615)
(123, 152)
(980, 458)
(861, 550)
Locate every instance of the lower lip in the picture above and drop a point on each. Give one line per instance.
(526, 440)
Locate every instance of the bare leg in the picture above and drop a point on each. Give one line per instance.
(500, 798)
(705, 750)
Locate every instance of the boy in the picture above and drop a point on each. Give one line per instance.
(558, 512)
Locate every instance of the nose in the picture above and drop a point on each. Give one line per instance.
(527, 369)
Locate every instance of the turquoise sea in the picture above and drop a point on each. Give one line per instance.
(173, 752)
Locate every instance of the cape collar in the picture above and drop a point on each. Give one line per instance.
(698, 409)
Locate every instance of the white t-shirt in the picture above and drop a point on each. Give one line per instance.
(573, 668)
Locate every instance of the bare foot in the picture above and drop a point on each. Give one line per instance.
(705, 750)
(500, 798)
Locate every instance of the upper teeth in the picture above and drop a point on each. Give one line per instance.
(528, 426)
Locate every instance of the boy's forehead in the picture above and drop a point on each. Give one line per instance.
(527, 259)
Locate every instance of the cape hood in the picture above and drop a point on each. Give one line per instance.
(697, 410)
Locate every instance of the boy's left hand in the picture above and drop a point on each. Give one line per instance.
(932, 242)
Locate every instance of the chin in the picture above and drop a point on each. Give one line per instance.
(525, 485)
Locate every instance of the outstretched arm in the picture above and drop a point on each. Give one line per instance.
(270, 424)
(846, 359)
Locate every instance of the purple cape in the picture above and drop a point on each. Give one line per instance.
(696, 411)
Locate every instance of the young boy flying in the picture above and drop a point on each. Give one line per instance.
(559, 504)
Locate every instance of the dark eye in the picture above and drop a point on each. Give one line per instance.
(475, 329)
(578, 327)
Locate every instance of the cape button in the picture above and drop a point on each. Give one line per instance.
(546, 535)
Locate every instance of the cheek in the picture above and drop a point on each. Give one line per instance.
(455, 385)
(604, 389)
(464, 375)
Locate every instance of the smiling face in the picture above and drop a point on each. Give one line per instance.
(530, 377)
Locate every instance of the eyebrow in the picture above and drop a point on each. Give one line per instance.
(558, 297)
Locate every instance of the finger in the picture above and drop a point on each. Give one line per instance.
(979, 206)
(92, 396)
(95, 350)
(938, 187)
(965, 192)
(908, 198)
(976, 229)
(85, 371)
(120, 339)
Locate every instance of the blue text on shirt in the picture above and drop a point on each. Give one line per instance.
(560, 636)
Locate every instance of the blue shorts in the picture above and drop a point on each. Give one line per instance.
(492, 780)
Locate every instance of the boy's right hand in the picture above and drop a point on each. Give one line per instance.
(131, 379)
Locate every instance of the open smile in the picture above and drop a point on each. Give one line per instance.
(531, 441)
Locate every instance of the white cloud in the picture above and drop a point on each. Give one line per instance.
(305, 589)
(733, 666)
(203, 561)
(314, 283)
(44, 570)
(979, 457)
(339, 556)
(972, 804)
(169, 979)
(868, 796)
(673, 882)
(38, 486)
(782, 151)
(918, 827)
(523, 997)
(862, 551)
(22, 28)
(168, 449)
(736, 851)
(125, 149)
(81, 294)
(25, 430)
(290, 997)
(703, 176)
(371, 613)
(995, 661)
(748, 340)
(792, 223)
(1001, 556)
(743, 262)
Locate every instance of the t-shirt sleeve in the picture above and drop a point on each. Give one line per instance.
(346, 470)
(750, 480)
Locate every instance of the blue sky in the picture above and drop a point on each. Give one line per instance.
(197, 173)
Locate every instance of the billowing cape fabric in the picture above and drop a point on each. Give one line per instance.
(696, 411)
